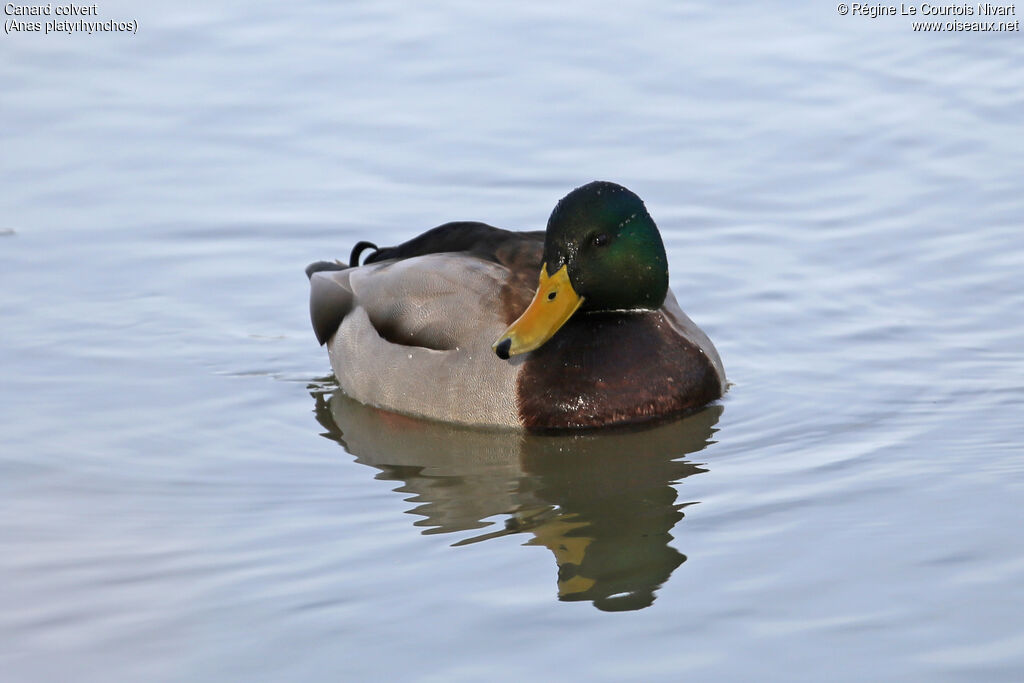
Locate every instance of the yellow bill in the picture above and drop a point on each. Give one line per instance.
(552, 305)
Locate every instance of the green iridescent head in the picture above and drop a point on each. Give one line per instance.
(616, 259)
(602, 252)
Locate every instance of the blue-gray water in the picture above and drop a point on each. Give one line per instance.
(181, 499)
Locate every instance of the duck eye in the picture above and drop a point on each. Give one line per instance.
(600, 239)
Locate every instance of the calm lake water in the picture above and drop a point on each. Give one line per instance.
(184, 497)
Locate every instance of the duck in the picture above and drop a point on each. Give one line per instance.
(570, 328)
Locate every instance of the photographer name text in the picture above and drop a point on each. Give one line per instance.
(983, 16)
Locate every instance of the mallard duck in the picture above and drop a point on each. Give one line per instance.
(453, 325)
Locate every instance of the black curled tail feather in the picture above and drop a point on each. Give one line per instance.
(359, 248)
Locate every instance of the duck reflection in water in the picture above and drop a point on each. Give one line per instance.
(604, 504)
